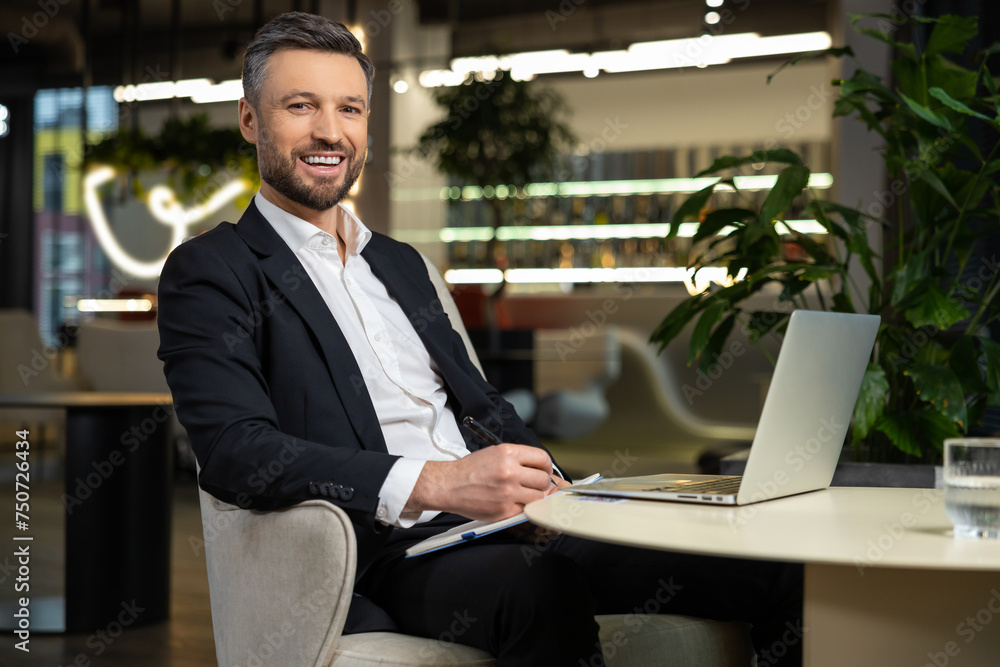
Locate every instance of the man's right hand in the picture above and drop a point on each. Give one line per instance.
(489, 484)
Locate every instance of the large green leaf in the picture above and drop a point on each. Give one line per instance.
(935, 428)
(676, 320)
(835, 51)
(910, 77)
(782, 155)
(907, 276)
(935, 308)
(952, 103)
(939, 386)
(842, 303)
(703, 329)
(853, 218)
(715, 342)
(761, 323)
(790, 184)
(927, 114)
(930, 176)
(901, 429)
(957, 81)
(716, 220)
(951, 34)
(691, 208)
(866, 82)
(871, 400)
(881, 32)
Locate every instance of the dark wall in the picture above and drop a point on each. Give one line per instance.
(16, 217)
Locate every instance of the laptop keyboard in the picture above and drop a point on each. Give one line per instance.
(723, 485)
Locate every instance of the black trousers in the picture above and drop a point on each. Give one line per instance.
(534, 603)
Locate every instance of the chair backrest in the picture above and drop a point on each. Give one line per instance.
(120, 356)
(280, 582)
(27, 365)
(449, 307)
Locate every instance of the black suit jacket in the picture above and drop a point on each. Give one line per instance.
(267, 387)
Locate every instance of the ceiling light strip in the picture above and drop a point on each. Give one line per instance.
(641, 56)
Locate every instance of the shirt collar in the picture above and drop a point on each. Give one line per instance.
(296, 232)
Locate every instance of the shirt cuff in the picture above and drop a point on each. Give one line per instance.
(396, 490)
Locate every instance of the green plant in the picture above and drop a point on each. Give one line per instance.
(497, 132)
(933, 371)
(193, 154)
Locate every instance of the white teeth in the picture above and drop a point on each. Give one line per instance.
(315, 159)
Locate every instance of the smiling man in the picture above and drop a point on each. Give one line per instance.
(288, 344)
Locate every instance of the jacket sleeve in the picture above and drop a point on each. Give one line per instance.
(209, 328)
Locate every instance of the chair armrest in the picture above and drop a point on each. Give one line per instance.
(280, 581)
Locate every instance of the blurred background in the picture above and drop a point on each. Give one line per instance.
(535, 152)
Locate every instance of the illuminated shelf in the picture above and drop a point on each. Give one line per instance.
(575, 232)
(632, 274)
(648, 186)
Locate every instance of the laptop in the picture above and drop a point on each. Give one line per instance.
(802, 426)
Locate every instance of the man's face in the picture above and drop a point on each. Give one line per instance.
(311, 128)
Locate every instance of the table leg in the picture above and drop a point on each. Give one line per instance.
(118, 537)
(905, 617)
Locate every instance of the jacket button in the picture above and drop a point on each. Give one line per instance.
(347, 493)
(313, 488)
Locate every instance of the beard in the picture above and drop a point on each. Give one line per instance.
(278, 171)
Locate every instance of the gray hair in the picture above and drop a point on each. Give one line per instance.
(298, 30)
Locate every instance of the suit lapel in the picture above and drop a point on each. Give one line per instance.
(288, 277)
(392, 268)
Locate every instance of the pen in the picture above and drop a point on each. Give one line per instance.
(487, 435)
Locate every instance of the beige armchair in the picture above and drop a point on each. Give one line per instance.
(281, 583)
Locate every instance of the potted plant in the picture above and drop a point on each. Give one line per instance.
(934, 370)
(498, 131)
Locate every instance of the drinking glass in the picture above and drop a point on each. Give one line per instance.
(972, 486)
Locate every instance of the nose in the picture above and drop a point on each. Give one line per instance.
(326, 127)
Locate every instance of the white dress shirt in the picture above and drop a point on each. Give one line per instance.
(401, 377)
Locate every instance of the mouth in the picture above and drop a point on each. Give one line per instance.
(323, 163)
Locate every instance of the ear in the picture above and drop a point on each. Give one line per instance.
(248, 121)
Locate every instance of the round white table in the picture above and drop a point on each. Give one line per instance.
(885, 582)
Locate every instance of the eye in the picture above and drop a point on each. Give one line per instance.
(298, 106)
